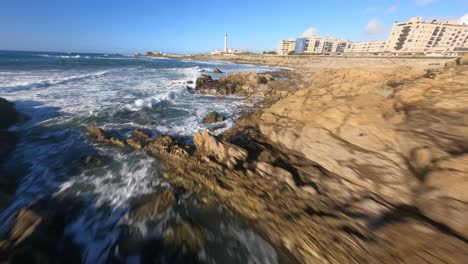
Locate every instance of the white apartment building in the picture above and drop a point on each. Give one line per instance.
(366, 47)
(287, 46)
(321, 45)
(419, 36)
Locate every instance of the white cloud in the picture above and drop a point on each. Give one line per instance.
(309, 32)
(424, 2)
(392, 9)
(375, 27)
(464, 19)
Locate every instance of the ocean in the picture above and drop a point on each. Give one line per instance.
(65, 92)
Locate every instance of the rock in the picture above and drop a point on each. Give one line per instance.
(223, 152)
(150, 205)
(137, 54)
(9, 116)
(35, 234)
(190, 89)
(166, 145)
(186, 236)
(267, 170)
(91, 161)
(240, 83)
(101, 136)
(216, 127)
(213, 117)
(216, 70)
(96, 132)
(7, 143)
(203, 79)
(189, 82)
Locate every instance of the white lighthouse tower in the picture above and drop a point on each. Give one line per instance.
(225, 43)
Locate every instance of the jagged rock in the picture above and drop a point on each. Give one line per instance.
(92, 160)
(189, 82)
(216, 127)
(35, 233)
(203, 79)
(152, 204)
(185, 236)
(101, 136)
(240, 83)
(9, 115)
(166, 145)
(267, 170)
(213, 117)
(223, 152)
(216, 70)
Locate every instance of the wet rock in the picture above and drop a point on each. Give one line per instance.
(189, 82)
(9, 115)
(138, 139)
(204, 79)
(101, 136)
(223, 152)
(161, 145)
(7, 143)
(91, 161)
(97, 133)
(213, 117)
(190, 89)
(186, 236)
(150, 205)
(35, 235)
(216, 70)
(216, 127)
(240, 83)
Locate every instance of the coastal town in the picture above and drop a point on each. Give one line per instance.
(413, 37)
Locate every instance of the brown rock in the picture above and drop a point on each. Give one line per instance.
(213, 117)
(166, 145)
(223, 152)
(150, 205)
(240, 83)
(185, 235)
(216, 70)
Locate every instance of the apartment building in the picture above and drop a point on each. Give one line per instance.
(321, 45)
(420, 36)
(366, 47)
(286, 46)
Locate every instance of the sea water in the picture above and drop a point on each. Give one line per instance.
(65, 92)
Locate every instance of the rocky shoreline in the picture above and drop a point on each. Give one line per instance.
(361, 165)
(339, 161)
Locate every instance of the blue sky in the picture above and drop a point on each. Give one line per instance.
(126, 26)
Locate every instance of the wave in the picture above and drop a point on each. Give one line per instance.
(51, 82)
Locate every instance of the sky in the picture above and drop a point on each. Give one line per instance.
(177, 26)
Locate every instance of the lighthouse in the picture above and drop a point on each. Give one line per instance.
(225, 43)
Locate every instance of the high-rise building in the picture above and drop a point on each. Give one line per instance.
(286, 46)
(320, 45)
(420, 36)
(366, 47)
